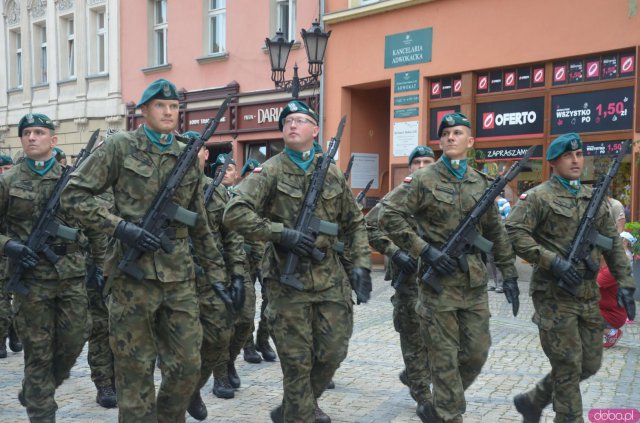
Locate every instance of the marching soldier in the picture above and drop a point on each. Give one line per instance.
(541, 227)
(456, 321)
(416, 374)
(51, 319)
(311, 327)
(156, 317)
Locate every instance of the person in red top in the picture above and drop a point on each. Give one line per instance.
(614, 315)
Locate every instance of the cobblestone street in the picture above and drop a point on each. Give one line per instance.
(367, 385)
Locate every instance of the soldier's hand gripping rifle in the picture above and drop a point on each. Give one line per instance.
(362, 194)
(466, 237)
(46, 226)
(208, 193)
(307, 223)
(163, 210)
(587, 236)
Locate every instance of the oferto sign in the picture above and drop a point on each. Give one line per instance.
(408, 48)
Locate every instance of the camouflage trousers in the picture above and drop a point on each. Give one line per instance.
(571, 336)
(100, 357)
(311, 331)
(217, 323)
(52, 324)
(6, 314)
(414, 350)
(456, 331)
(149, 321)
(243, 324)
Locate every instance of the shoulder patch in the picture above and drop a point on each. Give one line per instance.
(257, 169)
(523, 196)
(407, 179)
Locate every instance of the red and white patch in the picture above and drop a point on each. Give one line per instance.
(257, 169)
(408, 179)
(523, 196)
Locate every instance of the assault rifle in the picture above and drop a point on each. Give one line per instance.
(362, 194)
(347, 173)
(307, 223)
(163, 210)
(587, 236)
(466, 237)
(46, 226)
(208, 193)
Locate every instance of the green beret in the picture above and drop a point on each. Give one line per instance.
(160, 89)
(58, 154)
(296, 106)
(249, 166)
(5, 160)
(453, 119)
(191, 135)
(34, 119)
(220, 160)
(421, 151)
(562, 144)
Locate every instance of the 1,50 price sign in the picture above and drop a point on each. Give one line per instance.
(596, 111)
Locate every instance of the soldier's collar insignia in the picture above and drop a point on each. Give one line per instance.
(408, 179)
(523, 196)
(39, 164)
(455, 164)
(306, 154)
(257, 169)
(575, 183)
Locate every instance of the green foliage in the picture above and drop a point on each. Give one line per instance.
(634, 229)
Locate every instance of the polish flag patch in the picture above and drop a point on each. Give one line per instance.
(257, 169)
(408, 179)
(523, 196)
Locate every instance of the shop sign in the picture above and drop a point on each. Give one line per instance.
(408, 48)
(197, 119)
(507, 153)
(595, 111)
(604, 148)
(513, 119)
(446, 87)
(260, 116)
(405, 100)
(406, 81)
(435, 116)
(406, 112)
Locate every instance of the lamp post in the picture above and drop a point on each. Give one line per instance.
(315, 43)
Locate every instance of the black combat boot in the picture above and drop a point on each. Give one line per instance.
(250, 354)
(3, 348)
(404, 377)
(23, 402)
(427, 413)
(222, 388)
(276, 415)
(106, 396)
(321, 416)
(262, 345)
(14, 342)
(331, 384)
(196, 408)
(530, 413)
(234, 379)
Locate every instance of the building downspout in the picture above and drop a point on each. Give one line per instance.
(321, 94)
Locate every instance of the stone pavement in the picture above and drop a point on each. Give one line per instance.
(367, 385)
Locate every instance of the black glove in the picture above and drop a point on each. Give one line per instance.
(221, 291)
(297, 242)
(625, 299)
(96, 279)
(566, 272)
(136, 237)
(24, 255)
(236, 292)
(441, 263)
(512, 293)
(405, 262)
(361, 283)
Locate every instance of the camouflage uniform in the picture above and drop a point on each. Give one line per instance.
(6, 315)
(456, 322)
(311, 328)
(405, 319)
(542, 225)
(217, 321)
(51, 319)
(156, 317)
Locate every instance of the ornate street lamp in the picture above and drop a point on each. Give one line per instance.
(315, 43)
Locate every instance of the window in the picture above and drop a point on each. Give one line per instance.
(160, 32)
(286, 18)
(68, 48)
(217, 26)
(15, 64)
(101, 42)
(40, 53)
(365, 2)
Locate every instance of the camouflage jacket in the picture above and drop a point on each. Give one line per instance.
(439, 201)
(23, 195)
(135, 170)
(543, 224)
(269, 200)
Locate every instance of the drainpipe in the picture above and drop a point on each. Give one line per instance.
(321, 95)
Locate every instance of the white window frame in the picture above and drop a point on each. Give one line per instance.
(366, 2)
(40, 53)
(217, 24)
(71, 47)
(100, 40)
(288, 28)
(15, 39)
(160, 29)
